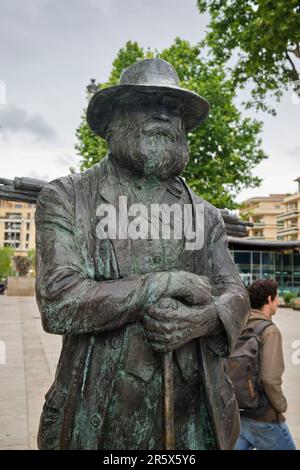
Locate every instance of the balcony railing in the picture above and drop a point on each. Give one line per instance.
(287, 215)
(288, 230)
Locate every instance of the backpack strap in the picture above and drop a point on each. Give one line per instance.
(259, 328)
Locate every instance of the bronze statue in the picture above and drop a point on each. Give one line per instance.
(137, 311)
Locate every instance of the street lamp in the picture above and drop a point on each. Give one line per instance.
(91, 88)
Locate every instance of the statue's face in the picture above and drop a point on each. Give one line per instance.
(149, 136)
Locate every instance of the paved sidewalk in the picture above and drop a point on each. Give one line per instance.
(31, 359)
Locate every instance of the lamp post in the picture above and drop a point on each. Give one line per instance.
(91, 88)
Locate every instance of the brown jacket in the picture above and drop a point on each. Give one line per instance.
(272, 368)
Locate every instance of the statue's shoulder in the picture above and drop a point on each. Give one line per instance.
(59, 188)
(65, 187)
(89, 178)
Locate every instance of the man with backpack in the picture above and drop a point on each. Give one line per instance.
(255, 368)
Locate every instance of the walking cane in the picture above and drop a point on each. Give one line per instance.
(168, 401)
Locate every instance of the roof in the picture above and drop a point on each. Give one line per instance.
(271, 198)
(277, 245)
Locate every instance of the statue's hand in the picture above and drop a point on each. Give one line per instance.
(169, 324)
(183, 286)
(190, 288)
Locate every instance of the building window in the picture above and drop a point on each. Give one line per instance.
(12, 226)
(18, 206)
(13, 215)
(12, 236)
(256, 265)
(27, 226)
(27, 237)
(284, 267)
(26, 246)
(243, 260)
(258, 233)
(268, 265)
(297, 270)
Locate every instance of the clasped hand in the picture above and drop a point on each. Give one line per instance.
(185, 311)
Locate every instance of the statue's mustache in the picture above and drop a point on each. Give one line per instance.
(151, 127)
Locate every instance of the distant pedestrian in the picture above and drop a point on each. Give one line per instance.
(263, 427)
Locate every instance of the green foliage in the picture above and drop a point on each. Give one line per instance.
(224, 150)
(288, 297)
(243, 214)
(263, 37)
(31, 256)
(6, 256)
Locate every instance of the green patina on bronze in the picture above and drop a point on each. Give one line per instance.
(121, 304)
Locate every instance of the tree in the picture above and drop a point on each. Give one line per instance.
(31, 256)
(263, 36)
(224, 150)
(6, 256)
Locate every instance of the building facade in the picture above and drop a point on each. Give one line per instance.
(263, 212)
(17, 228)
(289, 220)
(259, 259)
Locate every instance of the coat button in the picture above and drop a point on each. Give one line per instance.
(115, 342)
(95, 421)
(157, 259)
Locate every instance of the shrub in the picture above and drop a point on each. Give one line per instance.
(288, 297)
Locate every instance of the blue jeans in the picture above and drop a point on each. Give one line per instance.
(264, 436)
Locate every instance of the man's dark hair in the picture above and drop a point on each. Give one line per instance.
(260, 290)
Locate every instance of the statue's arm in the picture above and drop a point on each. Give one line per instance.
(230, 296)
(70, 301)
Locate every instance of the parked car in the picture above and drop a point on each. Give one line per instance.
(2, 288)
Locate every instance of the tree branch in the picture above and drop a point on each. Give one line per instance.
(296, 51)
(294, 74)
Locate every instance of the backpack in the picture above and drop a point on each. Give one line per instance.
(243, 368)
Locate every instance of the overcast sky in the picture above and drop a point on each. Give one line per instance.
(49, 49)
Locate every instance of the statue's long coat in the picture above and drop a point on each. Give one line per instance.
(81, 295)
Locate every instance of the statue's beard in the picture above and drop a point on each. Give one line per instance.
(152, 149)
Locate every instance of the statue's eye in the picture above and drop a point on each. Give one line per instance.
(173, 105)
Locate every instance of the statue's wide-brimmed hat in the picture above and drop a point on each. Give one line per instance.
(149, 75)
